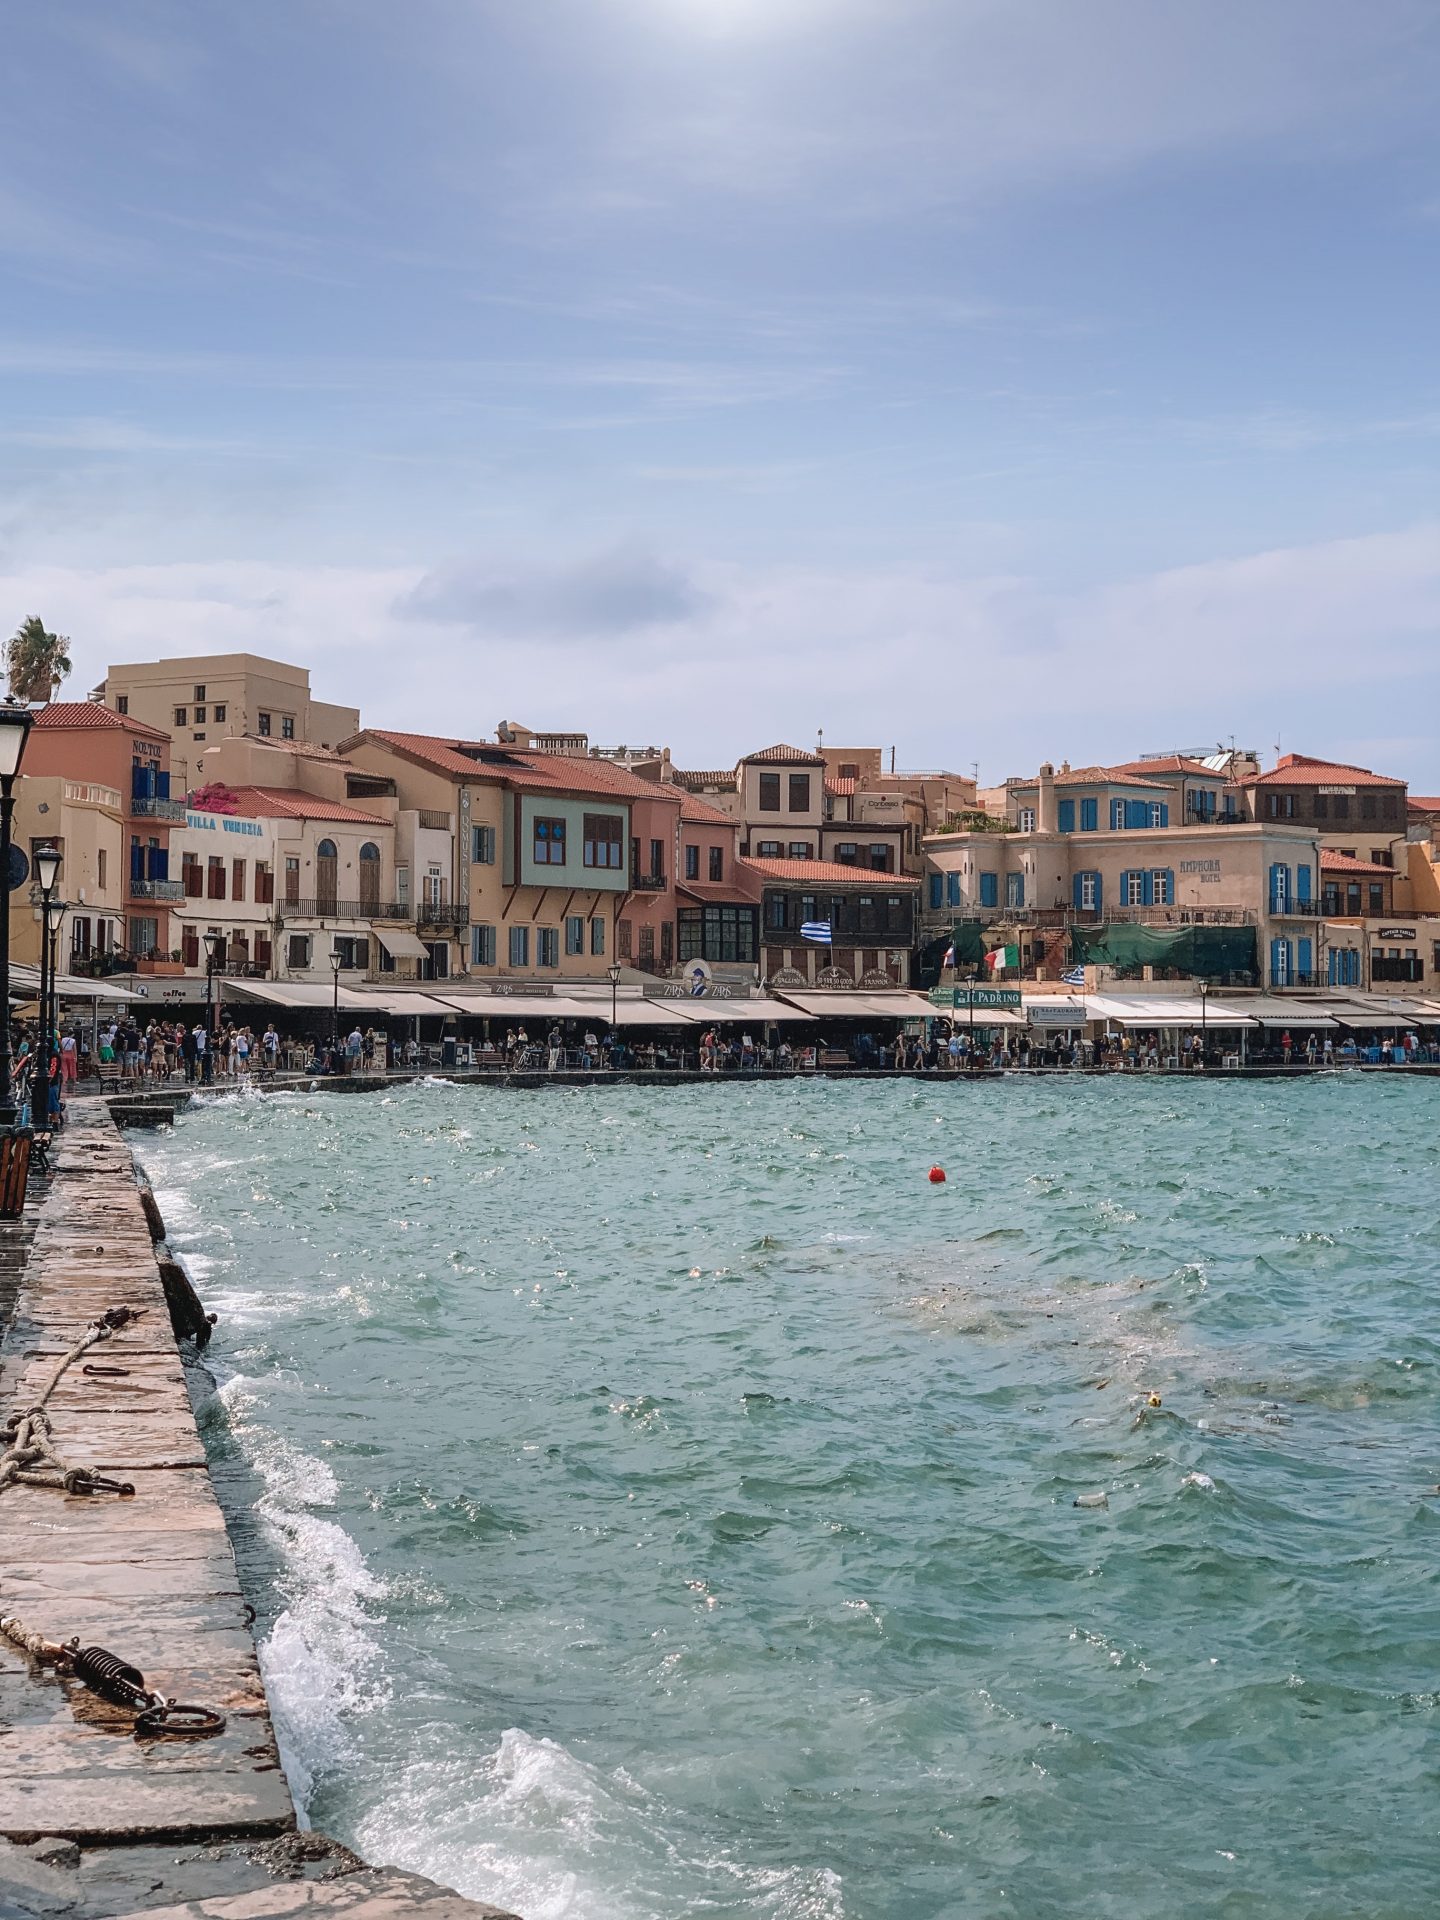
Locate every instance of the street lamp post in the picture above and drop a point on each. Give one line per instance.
(15, 724)
(1204, 1021)
(54, 919)
(207, 1069)
(613, 970)
(47, 874)
(335, 958)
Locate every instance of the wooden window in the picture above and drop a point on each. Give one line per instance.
(799, 793)
(216, 888)
(769, 793)
(237, 879)
(604, 840)
(549, 843)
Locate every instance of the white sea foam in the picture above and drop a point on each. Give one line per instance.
(321, 1662)
(535, 1829)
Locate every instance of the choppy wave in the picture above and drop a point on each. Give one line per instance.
(668, 1507)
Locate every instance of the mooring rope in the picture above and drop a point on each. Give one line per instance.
(29, 1459)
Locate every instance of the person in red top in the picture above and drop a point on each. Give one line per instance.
(1286, 1043)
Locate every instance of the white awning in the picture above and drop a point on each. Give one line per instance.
(1357, 1017)
(292, 993)
(401, 944)
(1312, 1015)
(518, 1006)
(760, 1011)
(25, 983)
(1167, 1010)
(841, 1003)
(405, 1002)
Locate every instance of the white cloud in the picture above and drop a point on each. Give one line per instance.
(1326, 643)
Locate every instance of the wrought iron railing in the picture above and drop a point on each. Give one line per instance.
(156, 890)
(319, 907)
(149, 807)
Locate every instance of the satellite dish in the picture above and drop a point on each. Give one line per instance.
(19, 867)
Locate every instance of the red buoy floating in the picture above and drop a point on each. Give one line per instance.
(937, 1176)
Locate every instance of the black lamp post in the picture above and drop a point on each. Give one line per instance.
(47, 875)
(335, 959)
(212, 943)
(15, 724)
(1204, 1021)
(614, 972)
(54, 919)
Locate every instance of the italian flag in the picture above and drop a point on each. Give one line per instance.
(999, 957)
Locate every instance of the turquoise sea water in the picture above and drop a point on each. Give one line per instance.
(661, 1503)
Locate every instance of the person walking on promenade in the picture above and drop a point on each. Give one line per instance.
(354, 1049)
(553, 1047)
(1327, 1058)
(1310, 1049)
(69, 1059)
(1287, 1046)
(204, 1054)
(188, 1055)
(271, 1045)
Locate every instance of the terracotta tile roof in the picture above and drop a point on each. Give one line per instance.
(695, 813)
(443, 755)
(1423, 803)
(89, 713)
(521, 768)
(1331, 862)
(782, 755)
(561, 773)
(695, 781)
(292, 803)
(842, 788)
(1299, 770)
(714, 892)
(1169, 763)
(830, 872)
(1091, 777)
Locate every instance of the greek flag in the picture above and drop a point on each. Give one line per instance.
(817, 930)
(1074, 978)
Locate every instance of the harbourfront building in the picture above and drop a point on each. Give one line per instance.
(92, 747)
(1089, 854)
(868, 922)
(204, 698)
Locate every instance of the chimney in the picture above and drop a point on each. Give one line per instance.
(1045, 806)
(667, 772)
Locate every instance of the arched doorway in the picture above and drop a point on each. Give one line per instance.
(326, 876)
(369, 877)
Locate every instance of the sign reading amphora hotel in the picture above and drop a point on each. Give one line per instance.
(1205, 873)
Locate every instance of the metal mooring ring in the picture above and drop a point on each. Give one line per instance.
(173, 1721)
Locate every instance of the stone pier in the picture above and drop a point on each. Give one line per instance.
(93, 1821)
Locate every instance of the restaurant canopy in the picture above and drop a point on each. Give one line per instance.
(292, 993)
(25, 984)
(1167, 1010)
(401, 944)
(841, 1003)
(761, 1011)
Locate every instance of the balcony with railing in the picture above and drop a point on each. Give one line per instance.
(150, 807)
(647, 883)
(1298, 910)
(156, 890)
(439, 913)
(322, 907)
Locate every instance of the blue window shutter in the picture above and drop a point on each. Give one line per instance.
(989, 890)
(1065, 814)
(952, 889)
(1274, 963)
(1075, 891)
(162, 786)
(1164, 813)
(1302, 886)
(1274, 891)
(937, 883)
(1125, 888)
(1304, 957)
(1330, 967)
(1099, 891)
(1089, 815)
(1169, 886)
(1147, 888)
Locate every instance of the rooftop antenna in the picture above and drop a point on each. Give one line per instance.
(820, 740)
(892, 763)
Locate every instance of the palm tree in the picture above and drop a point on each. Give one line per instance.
(37, 660)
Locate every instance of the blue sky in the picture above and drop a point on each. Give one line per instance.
(990, 378)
